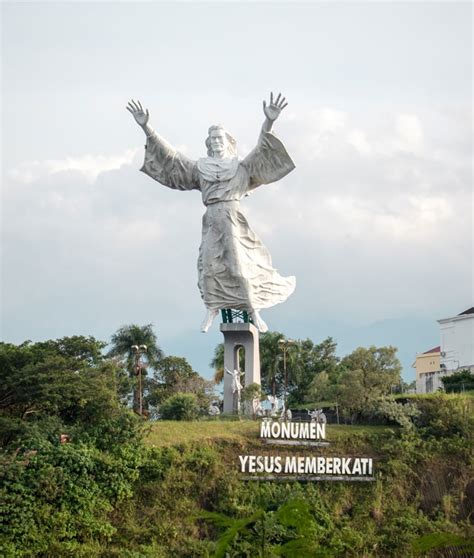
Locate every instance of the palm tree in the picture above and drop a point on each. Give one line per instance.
(271, 367)
(218, 363)
(123, 341)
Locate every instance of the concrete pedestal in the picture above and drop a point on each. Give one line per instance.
(237, 336)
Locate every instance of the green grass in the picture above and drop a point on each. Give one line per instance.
(170, 433)
(469, 394)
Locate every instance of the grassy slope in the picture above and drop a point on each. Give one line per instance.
(421, 490)
(169, 433)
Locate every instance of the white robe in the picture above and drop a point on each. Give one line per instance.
(234, 267)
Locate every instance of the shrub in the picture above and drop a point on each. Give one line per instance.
(181, 406)
(57, 499)
(402, 414)
(459, 382)
(445, 415)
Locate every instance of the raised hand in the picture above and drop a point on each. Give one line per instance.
(272, 111)
(141, 116)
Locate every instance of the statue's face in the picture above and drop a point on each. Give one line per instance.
(218, 142)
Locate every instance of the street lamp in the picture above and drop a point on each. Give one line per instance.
(138, 350)
(284, 346)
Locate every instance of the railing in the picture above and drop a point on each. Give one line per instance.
(230, 316)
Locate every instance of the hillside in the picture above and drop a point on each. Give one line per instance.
(178, 492)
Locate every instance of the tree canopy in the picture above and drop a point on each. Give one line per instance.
(366, 376)
(175, 375)
(315, 373)
(304, 361)
(59, 386)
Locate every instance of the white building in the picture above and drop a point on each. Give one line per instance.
(455, 353)
(457, 342)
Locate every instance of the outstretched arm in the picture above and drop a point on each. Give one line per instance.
(141, 116)
(162, 161)
(162, 148)
(272, 111)
(269, 161)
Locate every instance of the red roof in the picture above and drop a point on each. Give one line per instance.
(433, 350)
(468, 311)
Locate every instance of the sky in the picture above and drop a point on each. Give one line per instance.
(375, 222)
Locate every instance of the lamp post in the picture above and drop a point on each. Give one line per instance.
(284, 346)
(138, 350)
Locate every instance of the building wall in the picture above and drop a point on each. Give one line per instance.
(427, 362)
(457, 343)
(427, 372)
(431, 381)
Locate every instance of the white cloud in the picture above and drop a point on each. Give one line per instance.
(410, 132)
(90, 166)
(358, 139)
(329, 133)
(377, 177)
(328, 119)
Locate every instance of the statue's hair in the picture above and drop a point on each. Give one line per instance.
(231, 143)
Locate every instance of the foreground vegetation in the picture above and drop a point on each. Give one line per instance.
(181, 495)
(83, 476)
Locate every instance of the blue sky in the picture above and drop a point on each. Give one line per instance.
(375, 221)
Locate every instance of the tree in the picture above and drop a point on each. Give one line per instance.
(459, 381)
(59, 386)
(307, 361)
(323, 387)
(122, 342)
(217, 363)
(367, 375)
(175, 375)
(57, 497)
(271, 363)
(42, 378)
(78, 347)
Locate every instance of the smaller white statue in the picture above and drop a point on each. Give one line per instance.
(257, 408)
(317, 415)
(236, 387)
(214, 410)
(275, 403)
(286, 415)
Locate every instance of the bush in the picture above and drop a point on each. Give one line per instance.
(445, 415)
(402, 414)
(459, 382)
(181, 406)
(58, 499)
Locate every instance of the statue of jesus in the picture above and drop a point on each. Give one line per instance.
(234, 267)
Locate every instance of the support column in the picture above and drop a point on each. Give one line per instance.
(237, 335)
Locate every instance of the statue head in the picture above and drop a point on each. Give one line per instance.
(220, 143)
